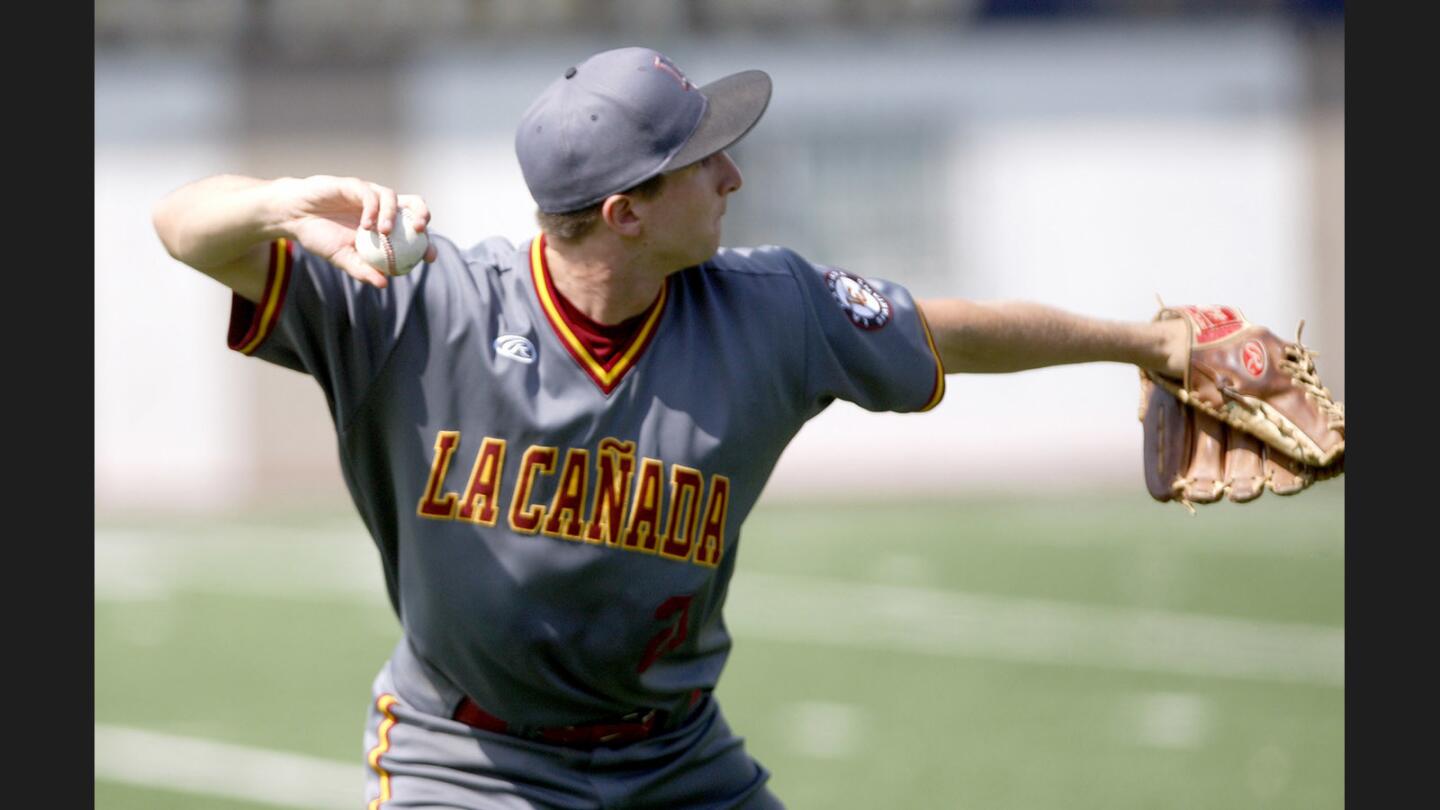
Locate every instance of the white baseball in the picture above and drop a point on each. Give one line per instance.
(397, 253)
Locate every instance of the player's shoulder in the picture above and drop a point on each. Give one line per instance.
(480, 263)
(767, 265)
(760, 260)
(761, 265)
(469, 276)
(495, 254)
(764, 277)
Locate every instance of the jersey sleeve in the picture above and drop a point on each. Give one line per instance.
(866, 341)
(316, 319)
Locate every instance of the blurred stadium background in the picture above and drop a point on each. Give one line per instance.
(912, 629)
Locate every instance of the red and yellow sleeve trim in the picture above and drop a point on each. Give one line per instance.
(607, 375)
(251, 323)
(384, 704)
(937, 393)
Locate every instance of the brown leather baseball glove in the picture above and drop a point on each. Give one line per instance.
(1250, 415)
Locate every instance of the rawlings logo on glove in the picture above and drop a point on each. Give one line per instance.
(1251, 414)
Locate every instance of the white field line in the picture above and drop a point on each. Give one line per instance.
(951, 624)
(153, 760)
(797, 609)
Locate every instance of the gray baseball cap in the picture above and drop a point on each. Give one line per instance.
(621, 117)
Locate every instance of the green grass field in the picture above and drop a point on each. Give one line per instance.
(1103, 652)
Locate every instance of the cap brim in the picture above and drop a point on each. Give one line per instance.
(734, 105)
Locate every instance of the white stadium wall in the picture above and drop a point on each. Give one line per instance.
(1086, 170)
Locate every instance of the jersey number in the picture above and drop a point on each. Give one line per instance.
(674, 633)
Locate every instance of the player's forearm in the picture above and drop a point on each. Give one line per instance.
(1004, 336)
(214, 222)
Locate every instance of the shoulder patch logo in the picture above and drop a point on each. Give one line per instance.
(515, 347)
(862, 303)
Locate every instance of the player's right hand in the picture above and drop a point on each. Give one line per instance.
(322, 211)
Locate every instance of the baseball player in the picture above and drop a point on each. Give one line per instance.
(555, 444)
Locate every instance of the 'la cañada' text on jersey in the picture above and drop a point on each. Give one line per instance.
(558, 532)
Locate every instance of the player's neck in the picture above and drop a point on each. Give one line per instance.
(604, 283)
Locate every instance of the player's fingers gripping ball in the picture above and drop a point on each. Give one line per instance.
(396, 253)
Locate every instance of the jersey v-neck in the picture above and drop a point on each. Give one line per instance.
(605, 353)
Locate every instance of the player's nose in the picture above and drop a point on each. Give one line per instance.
(730, 178)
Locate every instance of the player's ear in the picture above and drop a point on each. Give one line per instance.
(618, 212)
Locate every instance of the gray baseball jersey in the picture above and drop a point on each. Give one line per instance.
(558, 530)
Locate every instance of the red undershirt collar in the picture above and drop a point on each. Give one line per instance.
(606, 353)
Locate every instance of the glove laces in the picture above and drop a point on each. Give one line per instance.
(1299, 362)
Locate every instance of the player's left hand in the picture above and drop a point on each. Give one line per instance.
(1249, 413)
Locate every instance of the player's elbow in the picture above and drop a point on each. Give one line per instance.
(163, 220)
(175, 227)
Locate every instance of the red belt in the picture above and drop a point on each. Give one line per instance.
(623, 730)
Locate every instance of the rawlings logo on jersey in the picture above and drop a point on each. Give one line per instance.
(515, 348)
(862, 303)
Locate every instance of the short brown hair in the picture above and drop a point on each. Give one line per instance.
(572, 226)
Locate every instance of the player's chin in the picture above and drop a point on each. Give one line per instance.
(703, 251)
(710, 252)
